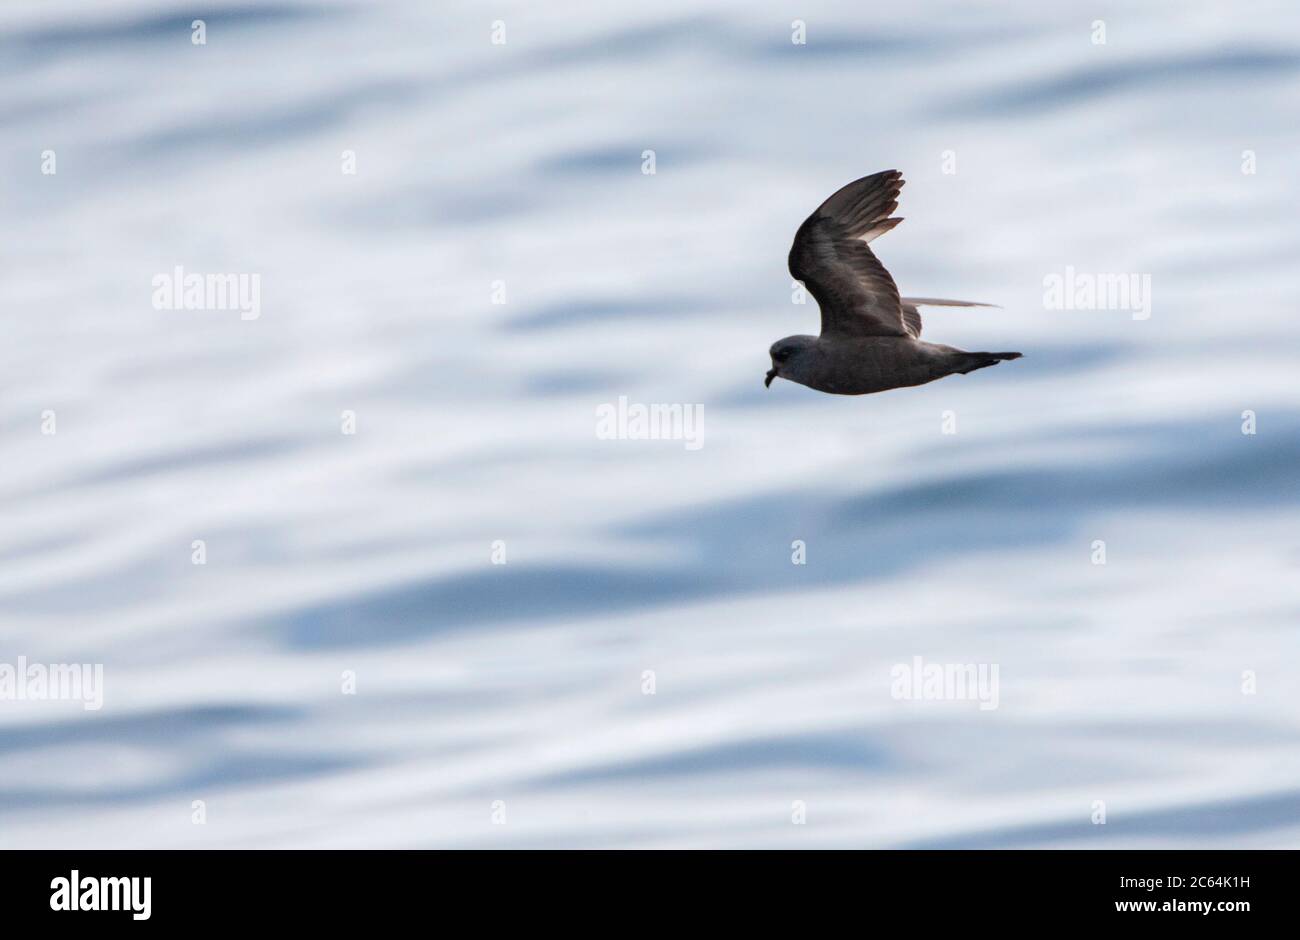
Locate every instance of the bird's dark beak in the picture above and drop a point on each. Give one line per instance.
(771, 374)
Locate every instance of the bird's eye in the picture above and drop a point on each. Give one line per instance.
(781, 355)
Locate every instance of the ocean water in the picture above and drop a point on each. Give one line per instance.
(648, 668)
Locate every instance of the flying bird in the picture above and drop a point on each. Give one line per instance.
(871, 337)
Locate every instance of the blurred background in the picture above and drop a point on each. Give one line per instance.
(508, 704)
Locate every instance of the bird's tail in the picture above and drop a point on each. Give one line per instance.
(980, 360)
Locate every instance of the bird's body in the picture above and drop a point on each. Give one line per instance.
(860, 365)
(870, 338)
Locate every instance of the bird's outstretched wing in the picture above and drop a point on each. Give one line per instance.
(912, 316)
(830, 256)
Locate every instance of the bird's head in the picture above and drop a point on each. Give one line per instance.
(787, 356)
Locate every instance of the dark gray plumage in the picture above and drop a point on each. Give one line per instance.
(870, 337)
